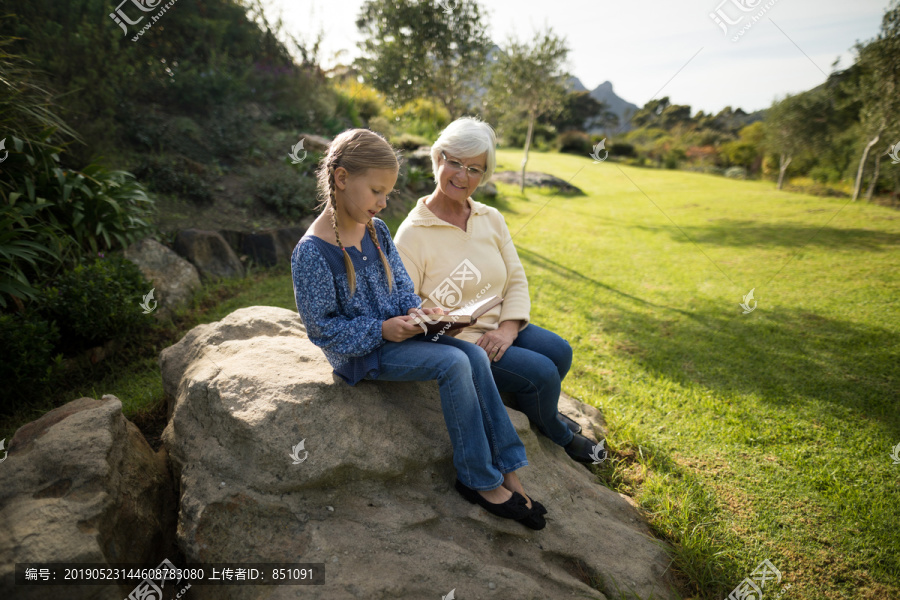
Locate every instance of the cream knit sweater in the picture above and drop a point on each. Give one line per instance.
(450, 267)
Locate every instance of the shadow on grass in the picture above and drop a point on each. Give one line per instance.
(728, 232)
(781, 356)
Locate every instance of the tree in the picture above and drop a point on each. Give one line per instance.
(795, 125)
(583, 112)
(528, 82)
(415, 49)
(879, 88)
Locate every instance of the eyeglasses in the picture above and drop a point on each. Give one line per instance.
(458, 166)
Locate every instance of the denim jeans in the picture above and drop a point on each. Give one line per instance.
(485, 443)
(533, 369)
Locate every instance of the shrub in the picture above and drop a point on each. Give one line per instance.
(622, 149)
(27, 360)
(96, 302)
(736, 173)
(166, 176)
(417, 179)
(285, 191)
(823, 174)
(575, 142)
(382, 126)
(409, 141)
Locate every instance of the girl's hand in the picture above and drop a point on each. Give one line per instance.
(399, 328)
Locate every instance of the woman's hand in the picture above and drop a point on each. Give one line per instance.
(496, 342)
(399, 328)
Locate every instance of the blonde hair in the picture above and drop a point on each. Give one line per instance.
(356, 150)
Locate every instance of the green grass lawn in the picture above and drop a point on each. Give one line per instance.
(743, 436)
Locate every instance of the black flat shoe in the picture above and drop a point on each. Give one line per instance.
(537, 507)
(572, 425)
(581, 449)
(534, 521)
(514, 508)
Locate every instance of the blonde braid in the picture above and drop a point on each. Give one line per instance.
(348, 263)
(387, 267)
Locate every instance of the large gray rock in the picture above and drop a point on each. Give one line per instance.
(372, 494)
(174, 279)
(81, 484)
(210, 253)
(271, 247)
(535, 179)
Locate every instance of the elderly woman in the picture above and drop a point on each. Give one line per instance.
(458, 251)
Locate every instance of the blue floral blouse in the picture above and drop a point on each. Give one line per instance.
(348, 329)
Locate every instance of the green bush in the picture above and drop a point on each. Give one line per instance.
(409, 141)
(736, 173)
(27, 359)
(168, 176)
(286, 191)
(822, 174)
(622, 149)
(96, 302)
(575, 142)
(51, 215)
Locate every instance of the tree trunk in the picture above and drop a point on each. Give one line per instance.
(527, 146)
(862, 165)
(874, 181)
(782, 168)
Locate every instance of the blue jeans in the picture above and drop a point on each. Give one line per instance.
(485, 443)
(533, 369)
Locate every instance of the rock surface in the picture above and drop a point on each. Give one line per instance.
(174, 279)
(210, 253)
(370, 491)
(535, 179)
(81, 484)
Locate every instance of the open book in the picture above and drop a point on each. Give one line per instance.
(459, 318)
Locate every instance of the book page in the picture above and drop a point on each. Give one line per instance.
(474, 308)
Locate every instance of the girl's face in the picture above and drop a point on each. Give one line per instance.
(364, 195)
(454, 178)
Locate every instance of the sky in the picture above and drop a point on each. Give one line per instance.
(657, 48)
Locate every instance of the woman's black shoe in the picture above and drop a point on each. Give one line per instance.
(572, 425)
(582, 449)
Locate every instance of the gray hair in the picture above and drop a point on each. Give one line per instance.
(464, 138)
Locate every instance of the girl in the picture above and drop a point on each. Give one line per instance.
(357, 302)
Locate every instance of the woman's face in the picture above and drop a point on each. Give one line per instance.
(364, 195)
(454, 178)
